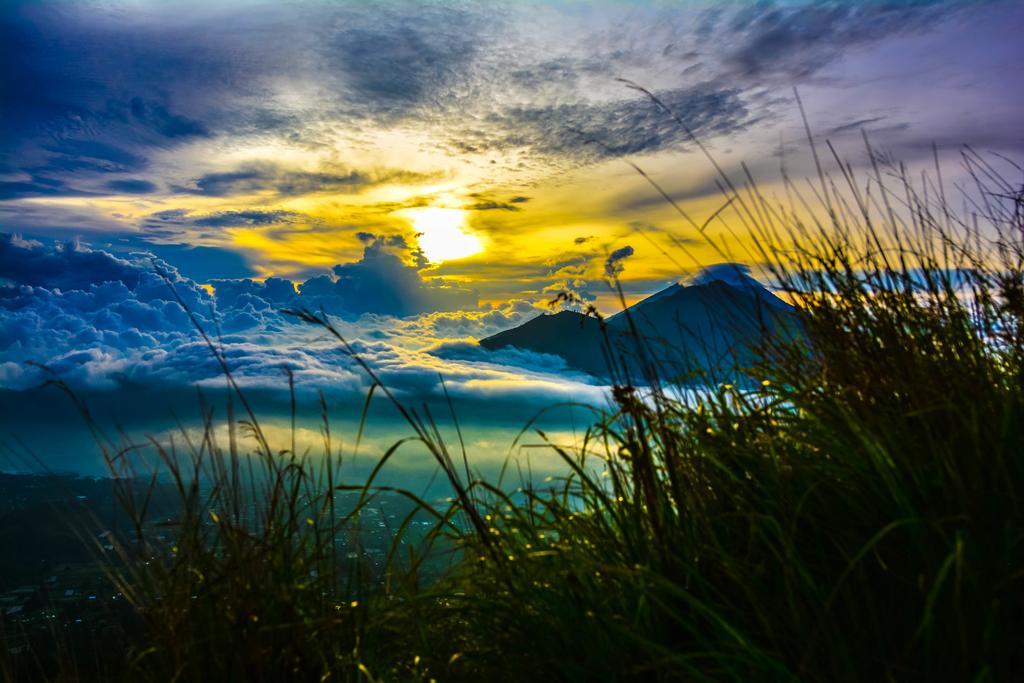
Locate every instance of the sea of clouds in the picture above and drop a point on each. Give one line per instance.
(102, 322)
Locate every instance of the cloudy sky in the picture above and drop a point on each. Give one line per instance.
(429, 172)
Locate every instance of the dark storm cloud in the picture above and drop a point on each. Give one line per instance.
(379, 62)
(73, 109)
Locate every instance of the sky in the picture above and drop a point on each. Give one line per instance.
(429, 173)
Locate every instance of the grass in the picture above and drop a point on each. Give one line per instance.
(851, 511)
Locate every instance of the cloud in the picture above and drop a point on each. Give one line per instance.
(70, 306)
(73, 111)
(491, 205)
(613, 265)
(856, 125)
(57, 93)
(93, 155)
(395, 59)
(201, 264)
(102, 322)
(793, 41)
(585, 131)
(272, 294)
(156, 116)
(182, 226)
(387, 280)
(65, 266)
(477, 324)
(570, 294)
(246, 217)
(329, 79)
(132, 186)
(38, 186)
(265, 176)
(508, 356)
(281, 101)
(382, 282)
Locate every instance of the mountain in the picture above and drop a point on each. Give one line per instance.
(705, 327)
(573, 336)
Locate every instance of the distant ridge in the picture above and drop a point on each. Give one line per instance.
(706, 327)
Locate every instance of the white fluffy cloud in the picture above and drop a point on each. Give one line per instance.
(101, 322)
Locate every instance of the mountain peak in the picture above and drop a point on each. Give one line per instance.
(734, 274)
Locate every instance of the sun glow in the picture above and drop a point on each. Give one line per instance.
(441, 234)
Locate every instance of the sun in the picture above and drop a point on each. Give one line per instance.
(441, 234)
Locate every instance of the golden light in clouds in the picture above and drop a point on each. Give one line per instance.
(442, 235)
